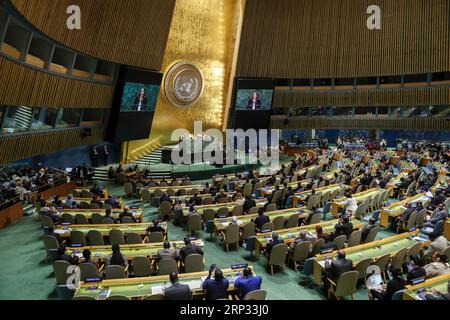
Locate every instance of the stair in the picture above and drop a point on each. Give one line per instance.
(101, 174)
(22, 117)
(154, 157)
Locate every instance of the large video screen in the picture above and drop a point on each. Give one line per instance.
(134, 104)
(254, 99)
(139, 97)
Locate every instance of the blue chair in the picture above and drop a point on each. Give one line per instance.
(209, 227)
(308, 268)
(325, 210)
(289, 201)
(250, 245)
(64, 293)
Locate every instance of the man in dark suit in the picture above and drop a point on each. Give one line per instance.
(165, 197)
(338, 267)
(177, 291)
(261, 219)
(418, 270)
(216, 288)
(248, 203)
(97, 202)
(366, 230)
(344, 228)
(273, 243)
(166, 252)
(189, 249)
(62, 255)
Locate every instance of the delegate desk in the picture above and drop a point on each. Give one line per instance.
(396, 209)
(394, 182)
(418, 291)
(289, 235)
(300, 197)
(87, 200)
(137, 213)
(139, 228)
(81, 190)
(442, 182)
(221, 224)
(360, 197)
(138, 288)
(407, 166)
(217, 206)
(373, 250)
(130, 251)
(263, 192)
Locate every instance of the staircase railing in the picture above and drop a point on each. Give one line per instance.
(144, 150)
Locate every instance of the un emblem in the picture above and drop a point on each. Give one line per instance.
(183, 84)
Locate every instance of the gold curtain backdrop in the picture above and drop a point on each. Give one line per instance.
(202, 32)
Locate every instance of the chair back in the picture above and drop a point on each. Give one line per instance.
(340, 241)
(127, 219)
(362, 266)
(439, 228)
(68, 218)
(354, 239)
(208, 214)
(81, 219)
(232, 234)
(116, 237)
(133, 238)
(421, 217)
(193, 263)
(95, 238)
(95, 206)
(238, 210)
(346, 284)
(108, 221)
(411, 221)
(415, 249)
(157, 193)
(276, 196)
(315, 218)
(166, 266)
(85, 205)
(278, 255)
(398, 295)
(207, 200)
(271, 207)
(278, 223)
(165, 210)
(60, 271)
(88, 270)
(115, 272)
(372, 234)
(267, 226)
(447, 252)
(146, 195)
(77, 237)
(248, 230)
(195, 222)
(292, 221)
(141, 266)
(399, 258)
(301, 251)
(209, 227)
(97, 218)
(155, 237)
(247, 191)
(50, 243)
(383, 261)
(253, 210)
(256, 295)
(317, 246)
(46, 221)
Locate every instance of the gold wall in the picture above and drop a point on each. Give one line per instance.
(202, 32)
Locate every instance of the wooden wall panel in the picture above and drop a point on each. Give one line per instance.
(21, 146)
(399, 97)
(132, 32)
(329, 38)
(22, 85)
(428, 124)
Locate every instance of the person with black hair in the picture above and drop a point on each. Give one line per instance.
(167, 252)
(366, 230)
(108, 214)
(126, 213)
(273, 243)
(343, 227)
(156, 227)
(87, 256)
(62, 255)
(177, 291)
(216, 288)
(189, 249)
(248, 204)
(417, 271)
(116, 258)
(261, 219)
(247, 282)
(397, 283)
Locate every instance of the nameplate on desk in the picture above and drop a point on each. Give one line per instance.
(93, 280)
(239, 266)
(222, 216)
(266, 230)
(192, 238)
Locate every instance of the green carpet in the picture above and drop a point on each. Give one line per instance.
(25, 275)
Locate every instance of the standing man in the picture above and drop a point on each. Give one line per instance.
(105, 154)
(94, 154)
